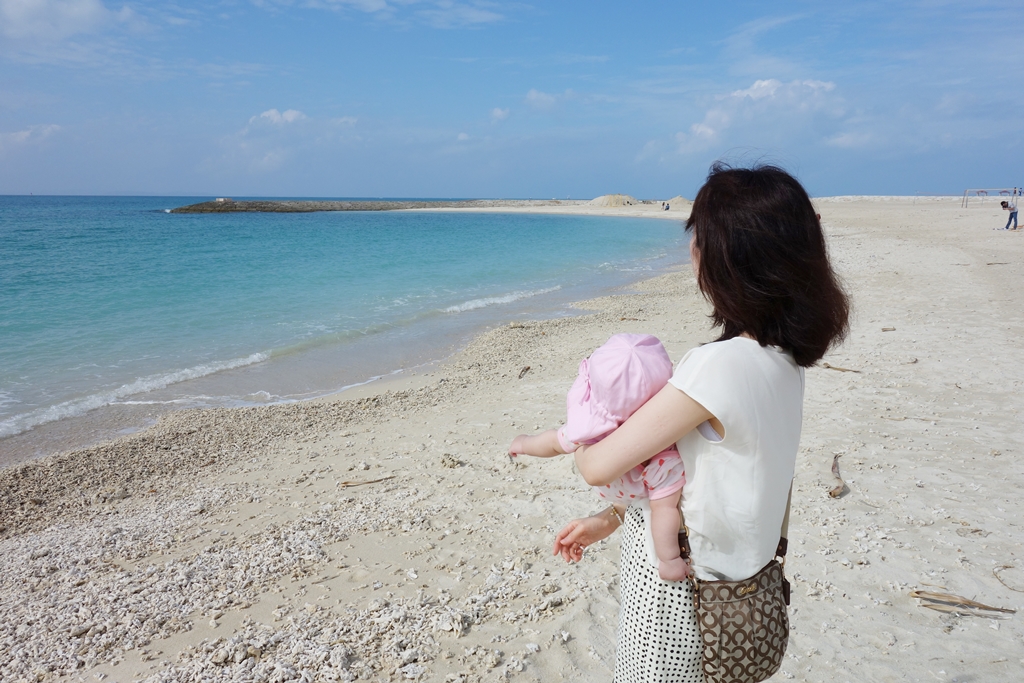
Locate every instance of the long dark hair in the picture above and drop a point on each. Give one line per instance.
(763, 263)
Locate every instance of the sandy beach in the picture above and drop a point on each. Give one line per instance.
(383, 534)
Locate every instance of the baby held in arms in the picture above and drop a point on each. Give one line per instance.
(612, 384)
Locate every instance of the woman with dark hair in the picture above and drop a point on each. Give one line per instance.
(733, 408)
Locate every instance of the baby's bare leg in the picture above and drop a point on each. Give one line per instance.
(665, 530)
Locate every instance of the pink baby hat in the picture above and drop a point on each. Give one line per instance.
(618, 378)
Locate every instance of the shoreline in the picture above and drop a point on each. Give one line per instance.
(388, 536)
(615, 203)
(129, 416)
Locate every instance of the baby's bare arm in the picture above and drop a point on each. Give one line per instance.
(543, 445)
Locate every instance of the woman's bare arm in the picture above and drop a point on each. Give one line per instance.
(659, 423)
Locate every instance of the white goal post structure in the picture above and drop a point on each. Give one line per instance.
(984, 193)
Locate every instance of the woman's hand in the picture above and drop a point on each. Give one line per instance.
(581, 533)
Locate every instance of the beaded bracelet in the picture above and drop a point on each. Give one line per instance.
(617, 515)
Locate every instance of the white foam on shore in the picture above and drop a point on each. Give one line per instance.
(495, 300)
(80, 406)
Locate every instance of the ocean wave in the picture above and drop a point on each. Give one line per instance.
(185, 401)
(80, 406)
(494, 300)
(6, 399)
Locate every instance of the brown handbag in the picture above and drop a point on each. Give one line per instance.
(744, 625)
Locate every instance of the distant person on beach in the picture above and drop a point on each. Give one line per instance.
(1010, 206)
(618, 378)
(733, 408)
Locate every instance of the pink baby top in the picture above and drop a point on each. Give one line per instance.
(618, 378)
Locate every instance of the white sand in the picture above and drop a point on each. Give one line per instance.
(605, 205)
(225, 545)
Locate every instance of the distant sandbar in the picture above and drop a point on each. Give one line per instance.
(308, 206)
(610, 204)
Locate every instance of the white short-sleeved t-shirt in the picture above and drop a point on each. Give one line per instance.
(736, 487)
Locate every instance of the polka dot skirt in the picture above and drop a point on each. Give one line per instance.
(659, 640)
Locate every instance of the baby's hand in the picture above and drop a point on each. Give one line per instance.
(518, 446)
(543, 445)
(673, 570)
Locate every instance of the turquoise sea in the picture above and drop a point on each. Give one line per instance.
(112, 310)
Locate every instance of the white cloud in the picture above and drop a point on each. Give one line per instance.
(72, 32)
(230, 71)
(748, 57)
(706, 133)
(30, 135)
(361, 5)
(462, 137)
(275, 142)
(279, 118)
(703, 131)
(437, 13)
(499, 114)
(765, 108)
(540, 100)
(448, 14)
(771, 87)
(581, 59)
(824, 86)
(268, 161)
(743, 39)
(652, 149)
(55, 20)
(759, 90)
(850, 140)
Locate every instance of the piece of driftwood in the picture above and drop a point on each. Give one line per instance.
(522, 373)
(840, 485)
(346, 484)
(957, 604)
(995, 573)
(888, 329)
(975, 533)
(836, 367)
(901, 418)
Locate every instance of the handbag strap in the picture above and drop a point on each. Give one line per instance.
(780, 550)
(783, 546)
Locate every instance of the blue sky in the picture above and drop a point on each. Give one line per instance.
(474, 98)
